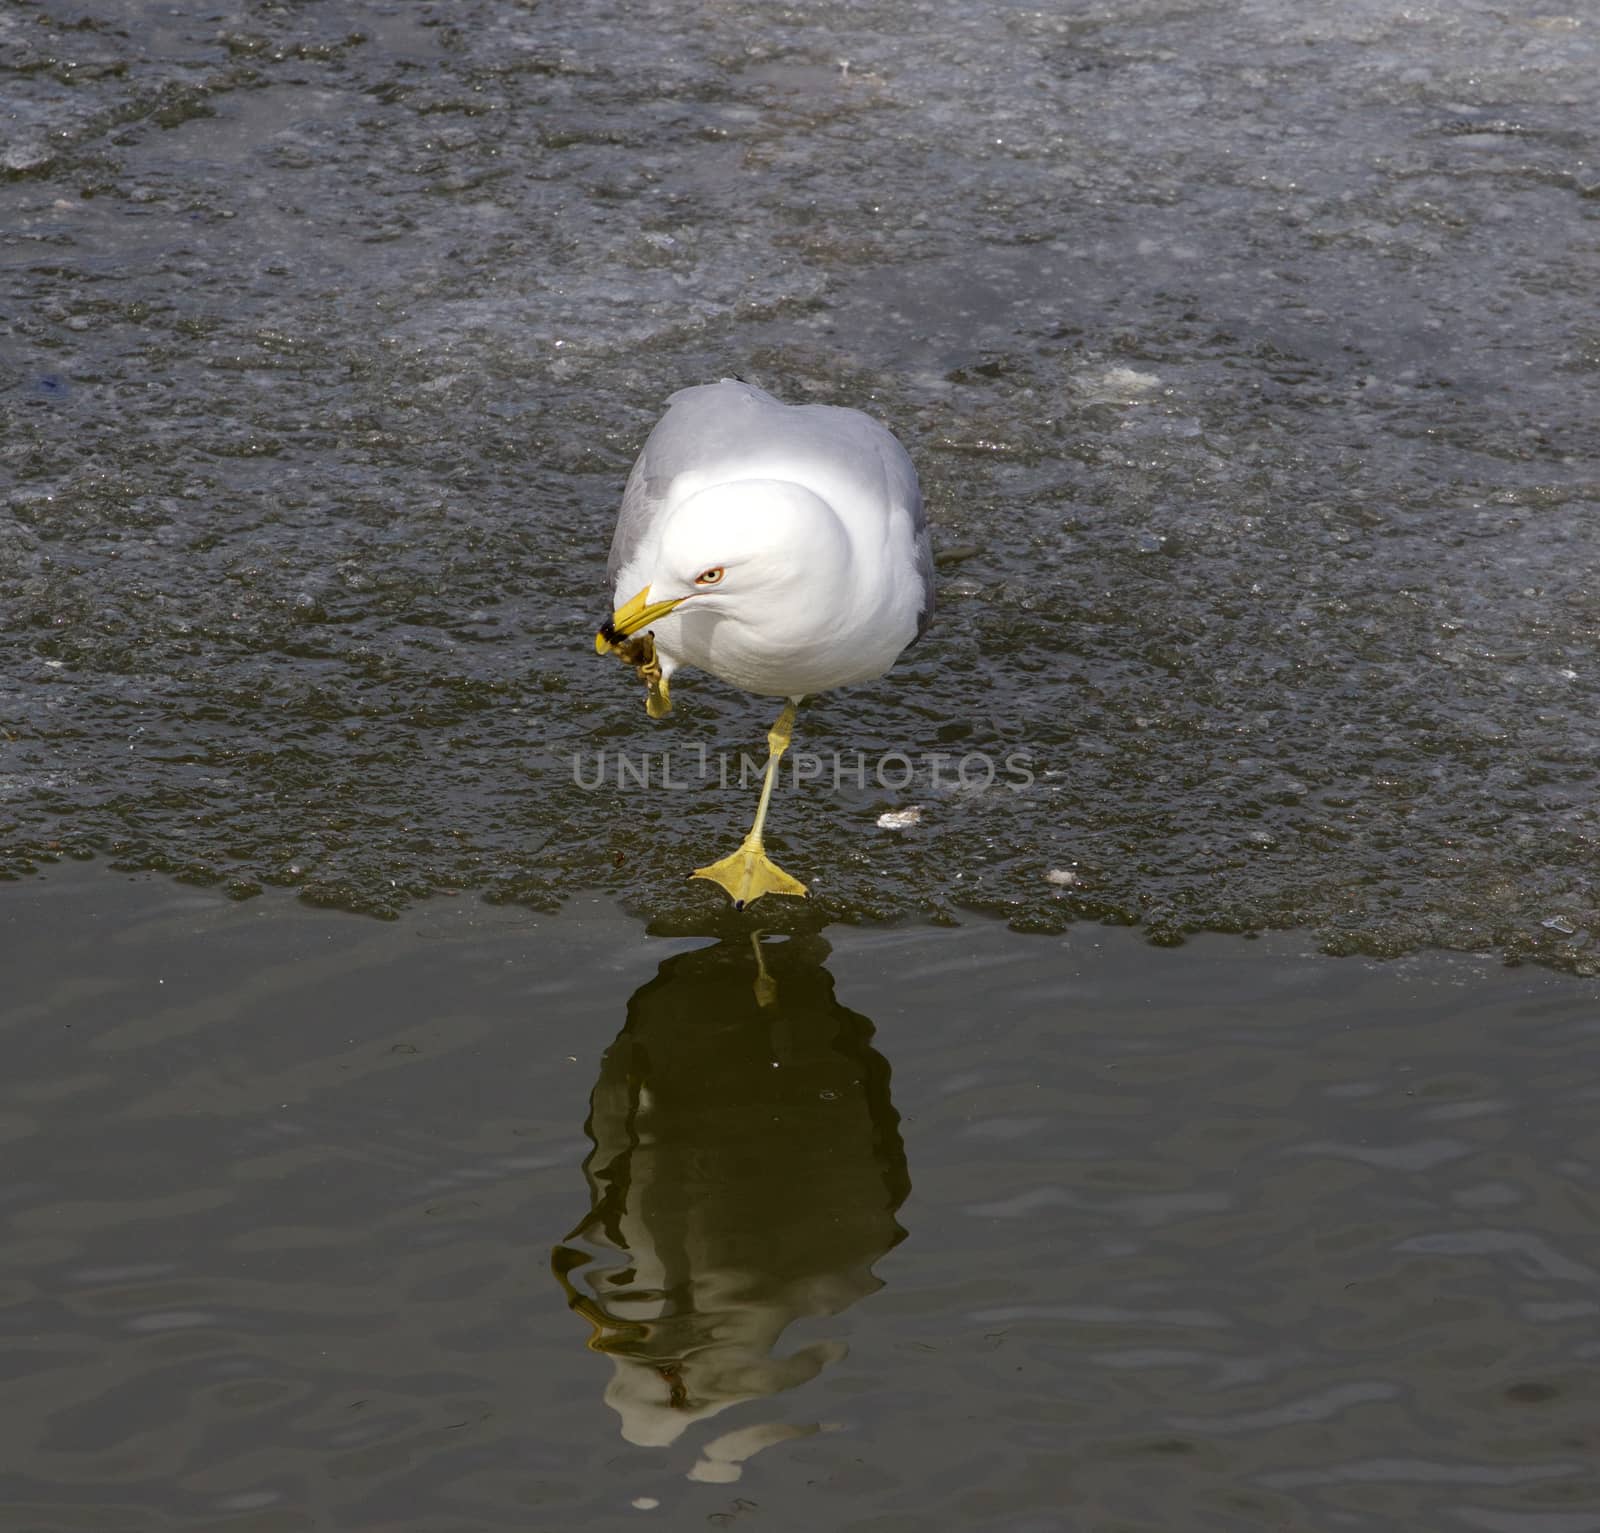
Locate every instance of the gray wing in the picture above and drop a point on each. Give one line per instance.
(639, 507)
(716, 432)
(924, 573)
(702, 434)
(924, 544)
(901, 476)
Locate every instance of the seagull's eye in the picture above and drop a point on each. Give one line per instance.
(709, 577)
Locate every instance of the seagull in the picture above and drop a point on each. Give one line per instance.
(782, 548)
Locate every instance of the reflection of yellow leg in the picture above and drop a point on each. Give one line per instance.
(749, 873)
(766, 985)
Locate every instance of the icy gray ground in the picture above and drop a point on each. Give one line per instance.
(1248, 352)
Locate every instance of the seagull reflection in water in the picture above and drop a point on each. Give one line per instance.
(746, 1173)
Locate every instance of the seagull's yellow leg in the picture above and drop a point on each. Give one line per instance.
(749, 873)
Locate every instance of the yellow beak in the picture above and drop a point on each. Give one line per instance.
(629, 618)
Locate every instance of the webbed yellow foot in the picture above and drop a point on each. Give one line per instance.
(749, 873)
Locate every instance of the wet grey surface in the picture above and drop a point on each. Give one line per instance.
(308, 1221)
(1248, 353)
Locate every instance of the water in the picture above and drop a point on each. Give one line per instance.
(482, 1219)
(1245, 352)
(1247, 355)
